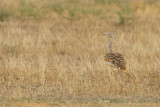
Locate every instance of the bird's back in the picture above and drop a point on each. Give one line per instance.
(115, 59)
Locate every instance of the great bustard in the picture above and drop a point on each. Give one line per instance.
(112, 58)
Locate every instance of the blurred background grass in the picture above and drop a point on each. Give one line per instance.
(73, 10)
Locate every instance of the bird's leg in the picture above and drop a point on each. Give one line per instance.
(118, 70)
(119, 73)
(110, 71)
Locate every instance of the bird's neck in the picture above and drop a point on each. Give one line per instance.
(110, 44)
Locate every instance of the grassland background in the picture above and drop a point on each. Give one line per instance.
(54, 49)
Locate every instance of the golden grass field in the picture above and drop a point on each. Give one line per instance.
(54, 50)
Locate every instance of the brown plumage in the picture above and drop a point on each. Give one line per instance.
(114, 59)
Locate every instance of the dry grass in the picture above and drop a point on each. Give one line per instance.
(62, 58)
(77, 105)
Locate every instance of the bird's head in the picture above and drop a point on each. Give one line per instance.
(108, 34)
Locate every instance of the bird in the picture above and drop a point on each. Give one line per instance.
(113, 58)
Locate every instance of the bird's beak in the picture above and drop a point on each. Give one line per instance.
(104, 34)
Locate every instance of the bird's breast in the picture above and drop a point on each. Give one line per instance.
(109, 63)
